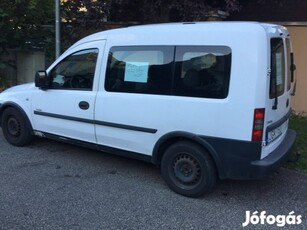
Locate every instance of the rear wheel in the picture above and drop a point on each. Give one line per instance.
(188, 169)
(15, 128)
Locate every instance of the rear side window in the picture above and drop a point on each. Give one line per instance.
(277, 81)
(203, 71)
(192, 71)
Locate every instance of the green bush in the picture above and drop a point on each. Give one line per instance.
(299, 124)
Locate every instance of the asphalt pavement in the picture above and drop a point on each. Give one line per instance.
(53, 185)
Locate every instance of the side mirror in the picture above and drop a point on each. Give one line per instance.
(42, 80)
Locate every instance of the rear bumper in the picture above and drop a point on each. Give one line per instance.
(269, 164)
(240, 160)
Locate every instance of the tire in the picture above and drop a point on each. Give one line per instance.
(15, 128)
(188, 169)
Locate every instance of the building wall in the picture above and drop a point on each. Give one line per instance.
(299, 40)
(28, 63)
(8, 73)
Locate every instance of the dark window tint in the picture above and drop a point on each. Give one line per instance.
(202, 71)
(277, 81)
(288, 64)
(75, 71)
(198, 71)
(141, 69)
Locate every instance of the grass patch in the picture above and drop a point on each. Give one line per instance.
(299, 124)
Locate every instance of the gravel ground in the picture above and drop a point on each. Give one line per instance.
(52, 185)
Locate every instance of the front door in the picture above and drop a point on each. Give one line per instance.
(66, 109)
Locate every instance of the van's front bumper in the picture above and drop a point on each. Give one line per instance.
(269, 164)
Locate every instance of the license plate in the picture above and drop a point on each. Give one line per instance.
(275, 133)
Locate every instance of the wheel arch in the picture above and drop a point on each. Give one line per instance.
(20, 109)
(168, 139)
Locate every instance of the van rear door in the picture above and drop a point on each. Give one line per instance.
(278, 107)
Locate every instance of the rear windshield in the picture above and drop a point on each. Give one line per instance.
(277, 82)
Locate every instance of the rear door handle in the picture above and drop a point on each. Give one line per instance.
(84, 105)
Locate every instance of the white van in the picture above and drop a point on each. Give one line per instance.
(200, 100)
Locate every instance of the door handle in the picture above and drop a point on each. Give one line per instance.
(84, 105)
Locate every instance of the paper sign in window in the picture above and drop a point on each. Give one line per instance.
(136, 72)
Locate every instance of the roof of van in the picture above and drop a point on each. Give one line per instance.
(178, 28)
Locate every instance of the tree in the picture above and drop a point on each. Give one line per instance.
(22, 26)
(172, 10)
(83, 17)
(22, 22)
(80, 18)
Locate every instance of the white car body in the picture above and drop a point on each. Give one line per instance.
(144, 125)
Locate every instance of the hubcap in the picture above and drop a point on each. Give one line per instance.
(13, 126)
(186, 169)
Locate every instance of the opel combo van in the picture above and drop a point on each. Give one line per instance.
(202, 101)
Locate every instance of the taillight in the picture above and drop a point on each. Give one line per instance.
(258, 124)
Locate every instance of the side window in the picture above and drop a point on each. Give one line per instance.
(141, 69)
(202, 71)
(277, 81)
(288, 64)
(75, 72)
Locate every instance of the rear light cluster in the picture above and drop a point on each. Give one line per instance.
(258, 124)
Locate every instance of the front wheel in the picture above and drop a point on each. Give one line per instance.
(15, 128)
(188, 169)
